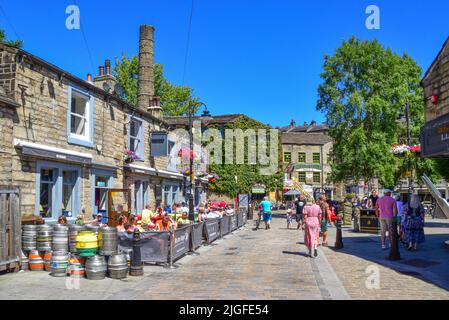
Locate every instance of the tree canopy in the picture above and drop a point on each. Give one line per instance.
(13, 43)
(174, 99)
(247, 174)
(364, 89)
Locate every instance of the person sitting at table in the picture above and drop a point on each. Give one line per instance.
(62, 220)
(165, 223)
(183, 220)
(229, 210)
(146, 215)
(212, 215)
(121, 223)
(133, 225)
(202, 214)
(98, 221)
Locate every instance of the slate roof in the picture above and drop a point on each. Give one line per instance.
(302, 138)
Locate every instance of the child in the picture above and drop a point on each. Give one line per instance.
(289, 218)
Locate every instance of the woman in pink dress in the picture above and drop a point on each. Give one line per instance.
(312, 217)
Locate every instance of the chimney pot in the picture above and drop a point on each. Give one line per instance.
(101, 71)
(107, 64)
(89, 78)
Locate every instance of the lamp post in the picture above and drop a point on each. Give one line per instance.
(205, 117)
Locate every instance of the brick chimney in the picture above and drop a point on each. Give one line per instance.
(105, 76)
(146, 99)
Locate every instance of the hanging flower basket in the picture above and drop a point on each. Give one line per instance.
(130, 156)
(185, 171)
(405, 150)
(213, 178)
(186, 153)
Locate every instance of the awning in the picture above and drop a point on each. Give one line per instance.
(293, 192)
(47, 152)
(141, 169)
(170, 174)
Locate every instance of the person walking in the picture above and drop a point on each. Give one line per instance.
(372, 200)
(414, 230)
(386, 211)
(266, 206)
(299, 205)
(325, 219)
(311, 224)
(289, 218)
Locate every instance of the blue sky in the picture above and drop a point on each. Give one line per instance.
(258, 57)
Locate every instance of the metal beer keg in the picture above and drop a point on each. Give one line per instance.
(107, 241)
(96, 268)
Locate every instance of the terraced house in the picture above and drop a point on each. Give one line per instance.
(306, 151)
(66, 141)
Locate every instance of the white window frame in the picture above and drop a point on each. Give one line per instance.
(86, 139)
(140, 152)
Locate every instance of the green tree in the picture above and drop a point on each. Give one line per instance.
(174, 99)
(365, 87)
(13, 43)
(247, 174)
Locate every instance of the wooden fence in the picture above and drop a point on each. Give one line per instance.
(10, 227)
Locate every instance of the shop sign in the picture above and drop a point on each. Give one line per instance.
(435, 137)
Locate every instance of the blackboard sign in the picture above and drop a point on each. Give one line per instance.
(233, 222)
(196, 235)
(243, 200)
(181, 242)
(435, 137)
(224, 225)
(212, 230)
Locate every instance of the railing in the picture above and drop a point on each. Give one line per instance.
(441, 202)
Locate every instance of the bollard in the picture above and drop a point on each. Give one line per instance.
(136, 263)
(172, 240)
(339, 238)
(394, 239)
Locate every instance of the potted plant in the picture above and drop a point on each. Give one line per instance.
(130, 156)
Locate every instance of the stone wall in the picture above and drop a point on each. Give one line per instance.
(436, 82)
(7, 69)
(7, 115)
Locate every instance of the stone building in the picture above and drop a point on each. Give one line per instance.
(305, 154)
(64, 139)
(435, 134)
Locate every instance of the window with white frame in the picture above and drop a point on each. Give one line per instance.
(80, 117)
(136, 136)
